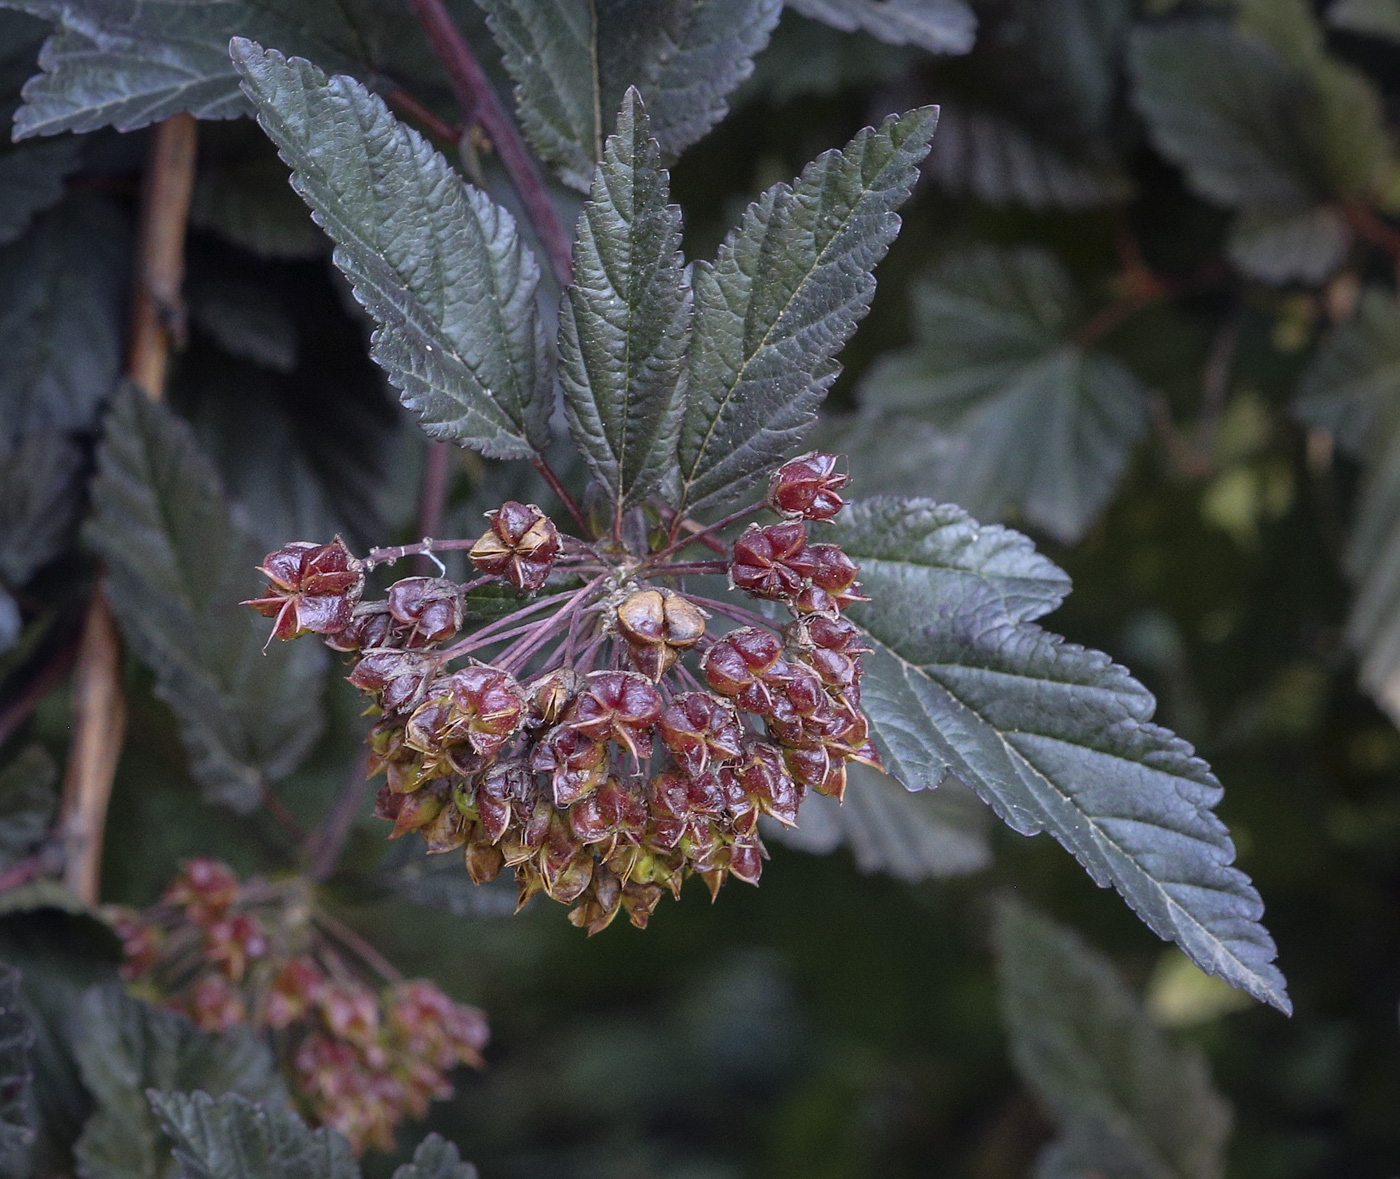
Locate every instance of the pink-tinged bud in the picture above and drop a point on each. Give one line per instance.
(806, 487)
(312, 588)
(520, 545)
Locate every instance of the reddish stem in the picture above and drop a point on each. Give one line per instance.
(432, 495)
(402, 100)
(705, 535)
(480, 104)
(548, 475)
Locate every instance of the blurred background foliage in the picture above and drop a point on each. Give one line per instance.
(1143, 307)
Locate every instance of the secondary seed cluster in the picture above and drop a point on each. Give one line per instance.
(363, 1053)
(586, 754)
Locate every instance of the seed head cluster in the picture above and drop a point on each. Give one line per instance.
(606, 738)
(363, 1051)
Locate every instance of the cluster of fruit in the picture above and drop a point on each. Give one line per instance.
(362, 1053)
(585, 754)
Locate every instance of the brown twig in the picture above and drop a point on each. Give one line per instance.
(480, 104)
(325, 844)
(157, 323)
(39, 675)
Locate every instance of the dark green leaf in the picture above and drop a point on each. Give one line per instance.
(1054, 737)
(1041, 423)
(60, 324)
(40, 497)
(624, 325)
(1261, 119)
(572, 61)
(910, 835)
(439, 265)
(1352, 389)
(248, 201)
(990, 157)
(125, 1047)
(1379, 18)
(1130, 1103)
(231, 1138)
(1230, 110)
(27, 803)
(31, 179)
(16, 1040)
(806, 57)
(940, 26)
(59, 954)
(787, 290)
(177, 566)
(127, 63)
(436, 1158)
(1078, 45)
(247, 320)
(1286, 247)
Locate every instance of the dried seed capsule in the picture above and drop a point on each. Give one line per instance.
(835, 572)
(740, 664)
(697, 728)
(520, 545)
(552, 694)
(658, 625)
(807, 487)
(312, 588)
(577, 764)
(619, 706)
(399, 678)
(488, 707)
(771, 562)
(429, 606)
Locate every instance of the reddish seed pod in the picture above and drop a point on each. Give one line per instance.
(807, 487)
(431, 607)
(399, 678)
(489, 707)
(312, 588)
(771, 562)
(698, 729)
(834, 572)
(621, 706)
(658, 625)
(520, 545)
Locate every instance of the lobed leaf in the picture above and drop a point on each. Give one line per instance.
(230, 1137)
(16, 1072)
(992, 158)
(1377, 18)
(177, 567)
(1054, 737)
(31, 180)
(910, 835)
(1041, 423)
(573, 60)
(940, 26)
(41, 490)
(624, 326)
(440, 266)
(60, 326)
(125, 1047)
(28, 802)
(1352, 389)
(1127, 1100)
(1078, 45)
(128, 63)
(784, 295)
(436, 1158)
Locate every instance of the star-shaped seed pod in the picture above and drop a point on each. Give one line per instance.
(428, 607)
(619, 706)
(806, 487)
(771, 562)
(697, 728)
(745, 664)
(520, 545)
(312, 588)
